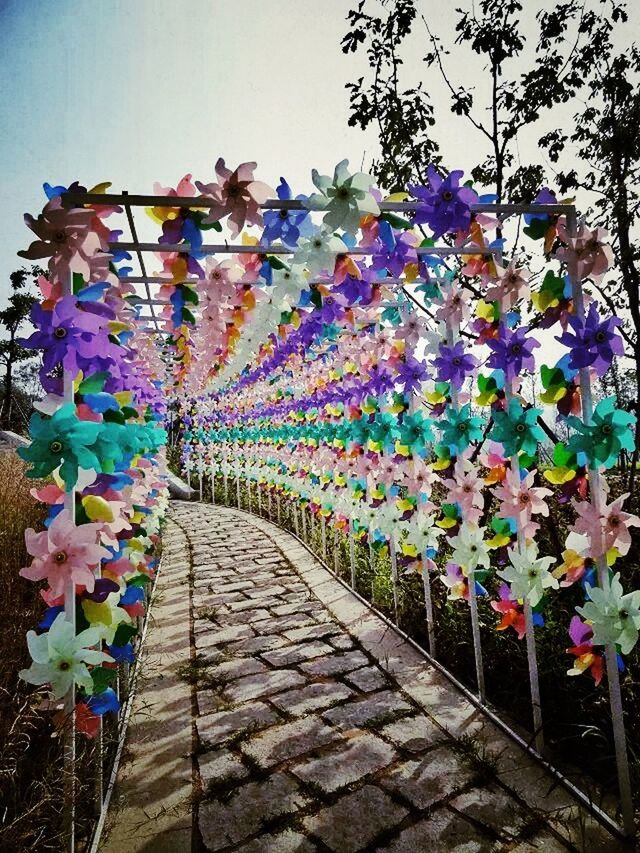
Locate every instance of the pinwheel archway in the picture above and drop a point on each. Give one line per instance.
(370, 358)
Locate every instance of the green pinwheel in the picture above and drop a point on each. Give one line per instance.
(64, 441)
(517, 429)
(602, 440)
(459, 429)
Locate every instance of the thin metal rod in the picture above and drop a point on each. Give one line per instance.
(471, 575)
(265, 249)
(394, 576)
(352, 553)
(134, 234)
(613, 675)
(69, 817)
(71, 199)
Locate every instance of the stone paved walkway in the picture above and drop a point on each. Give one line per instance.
(319, 728)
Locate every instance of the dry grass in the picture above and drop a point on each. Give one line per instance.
(29, 757)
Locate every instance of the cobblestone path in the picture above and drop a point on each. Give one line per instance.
(318, 728)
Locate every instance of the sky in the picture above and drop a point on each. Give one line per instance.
(138, 91)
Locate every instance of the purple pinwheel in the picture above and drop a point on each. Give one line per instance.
(445, 205)
(454, 364)
(357, 289)
(63, 334)
(286, 225)
(395, 251)
(512, 351)
(411, 373)
(595, 341)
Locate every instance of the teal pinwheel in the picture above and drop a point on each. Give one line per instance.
(608, 433)
(416, 432)
(384, 430)
(517, 429)
(62, 440)
(459, 428)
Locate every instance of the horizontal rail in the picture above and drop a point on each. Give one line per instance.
(260, 249)
(71, 199)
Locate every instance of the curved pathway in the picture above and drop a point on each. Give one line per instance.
(316, 727)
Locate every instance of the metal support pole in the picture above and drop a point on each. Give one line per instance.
(352, 553)
(394, 575)
(473, 599)
(323, 533)
(70, 616)
(428, 605)
(213, 482)
(200, 473)
(336, 550)
(613, 675)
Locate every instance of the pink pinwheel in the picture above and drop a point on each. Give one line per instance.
(524, 501)
(510, 286)
(64, 553)
(607, 528)
(419, 477)
(237, 194)
(466, 491)
(586, 255)
(456, 305)
(65, 237)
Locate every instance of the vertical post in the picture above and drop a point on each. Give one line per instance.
(471, 575)
(530, 637)
(613, 676)
(225, 471)
(213, 479)
(279, 508)
(428, 605)
(200, 472)
(70, 616)
(259, 496)
(303, 513)
(394, 575)
(323, 532)
(336, 550)
(352, 552)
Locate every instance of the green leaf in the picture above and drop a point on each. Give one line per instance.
(95, 383)
(77, 282)
(139, 580)
(188, 317)
(123, 634)
(190, 295)
(396, 221)
(103, 678)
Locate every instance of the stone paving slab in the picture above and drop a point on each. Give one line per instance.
(324, 730)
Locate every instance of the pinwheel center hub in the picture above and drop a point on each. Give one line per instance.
(533, 573)
(600, 337)
(64, 666)
(456, 361)
(59, 237)
(233, 190)
(614, 521)
(447, 195)
(283, 213)
(60, 333)
(343, 193)
(55, 447)
(60, 557)
(520, 428)
(606, 429)
(516, 349)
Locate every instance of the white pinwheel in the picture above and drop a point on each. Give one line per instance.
(469, 548)
(423, 533)
(60, 657)
(318, 253)
(346, 198)
(529, 575)
(614, 616)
